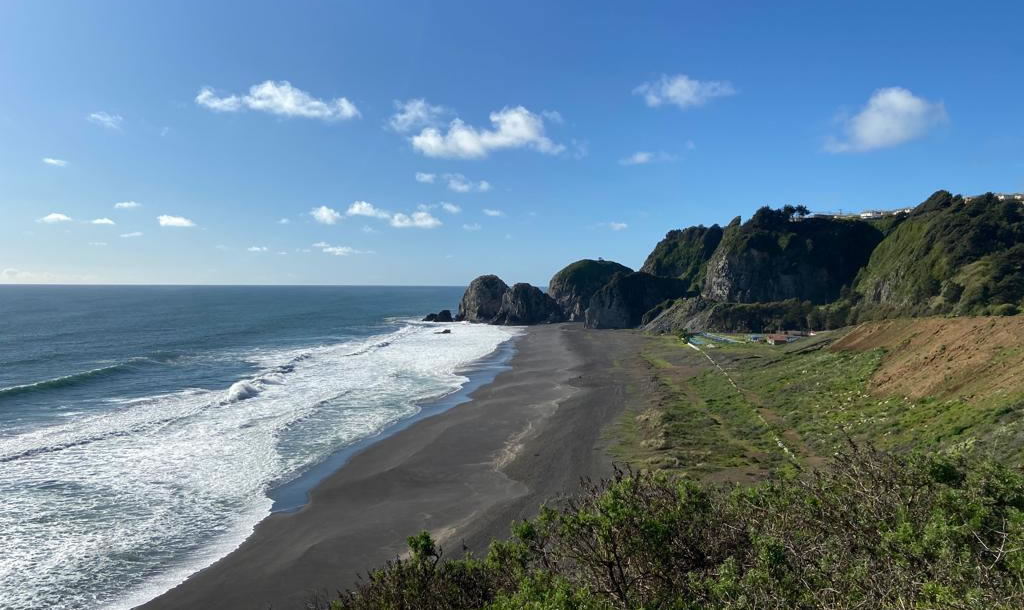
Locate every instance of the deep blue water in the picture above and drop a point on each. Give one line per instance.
(144, 430)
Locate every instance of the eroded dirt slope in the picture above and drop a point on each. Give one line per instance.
(944, 357)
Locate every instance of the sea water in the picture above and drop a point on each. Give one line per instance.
(143, 430)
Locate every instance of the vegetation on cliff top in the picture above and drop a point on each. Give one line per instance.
(684, 254)
(776, 256)
(574, 284)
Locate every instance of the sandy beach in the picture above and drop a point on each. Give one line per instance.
(464, 475)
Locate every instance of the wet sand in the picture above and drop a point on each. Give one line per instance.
(464, 475)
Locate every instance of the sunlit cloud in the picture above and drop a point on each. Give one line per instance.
(166, 220)
(325, 215)
(511, 127)
(415, 113)
(55, 162)
(279, 98)
(55, 217)
(890, 117)
(682, 91)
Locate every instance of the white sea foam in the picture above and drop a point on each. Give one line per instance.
(109, 511)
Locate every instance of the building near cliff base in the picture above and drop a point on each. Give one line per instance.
(777, 339)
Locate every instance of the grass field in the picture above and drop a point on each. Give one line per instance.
(929, 385)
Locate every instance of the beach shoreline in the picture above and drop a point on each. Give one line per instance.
(463, 474)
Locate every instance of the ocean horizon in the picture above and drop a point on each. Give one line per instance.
(145, 430)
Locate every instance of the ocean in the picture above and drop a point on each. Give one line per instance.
(144, 430)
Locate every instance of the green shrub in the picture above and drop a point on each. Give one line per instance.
(872, 530)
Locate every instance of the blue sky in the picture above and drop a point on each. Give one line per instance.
(553, 132)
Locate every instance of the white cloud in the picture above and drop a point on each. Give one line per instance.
(420, 220)
(102, 221)
(257, 248)
(54, 217)
(280, 98)
(451, 208)
(616, 226)
(174, 221)
(425, 177)
(682, 91)
(338, 250)
(210, 100)
(493, 212)
(643, 157)
(98, 243)
(637, 158)
(368, 229)
(325, 215)
(415, 113)
(512, 128)
(459, 184)
(283, 221)
(891, 116)
(55, 162)
(127, 205)
(110, 121)
(132, 234)
(364, 208)
(472, 227)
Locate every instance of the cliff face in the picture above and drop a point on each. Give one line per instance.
(489, 300)
(482, 300)
(774, 258)
(684, 254)
(526, 304)
(699, 314)
(574, 285)
(623, 301)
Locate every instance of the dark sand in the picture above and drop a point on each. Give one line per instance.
(464, 475)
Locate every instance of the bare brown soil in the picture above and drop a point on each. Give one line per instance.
(944, 357)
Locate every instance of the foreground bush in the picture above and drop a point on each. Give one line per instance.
(871, 530)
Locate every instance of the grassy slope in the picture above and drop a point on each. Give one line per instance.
(926, 384)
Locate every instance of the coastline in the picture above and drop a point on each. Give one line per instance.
(295, 494)
(463, 474)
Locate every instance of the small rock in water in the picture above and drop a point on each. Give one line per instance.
(445, 315)
(446, 331)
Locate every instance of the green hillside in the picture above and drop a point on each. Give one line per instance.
(951, 256)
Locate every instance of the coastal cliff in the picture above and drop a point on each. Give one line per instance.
(489, 300)
(622, 302)
(785, 269)
(576, 283)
